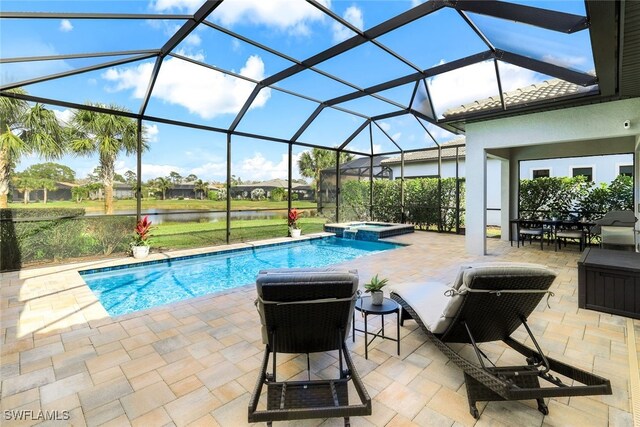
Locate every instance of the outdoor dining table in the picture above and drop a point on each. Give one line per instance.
(550, 226)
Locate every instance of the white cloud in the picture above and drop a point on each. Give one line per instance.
(152, 132)
(121, 167)
(202, 91)
(256, 168)
(565, 61)
(259, 168)
(475, 82)
(280, 14)
(414, 3)
(235, 45)
(65, 26)
(353, 15)
(211, 171)
(385, 126)
(151, 171)
(188, 6)
(396, 136)
(377, 148)
(63, 116)
(193, 40)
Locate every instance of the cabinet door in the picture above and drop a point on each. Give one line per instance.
(613, 291)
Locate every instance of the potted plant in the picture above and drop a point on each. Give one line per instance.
(140, 244)
(294, 230)
(375, 286)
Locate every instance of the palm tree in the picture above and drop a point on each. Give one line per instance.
(107, 135)
(313, 162)
(25, 130)
(26, 184)
(47, 185)
(163, 184)
(202, 186)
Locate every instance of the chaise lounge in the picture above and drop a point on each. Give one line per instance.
(488, 302)
(307, 311)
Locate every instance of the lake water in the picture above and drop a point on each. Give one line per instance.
(158, 216)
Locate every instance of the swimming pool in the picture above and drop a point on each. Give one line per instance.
(370, 231)
(134, 287)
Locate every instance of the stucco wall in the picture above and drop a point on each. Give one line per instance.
(587, 130)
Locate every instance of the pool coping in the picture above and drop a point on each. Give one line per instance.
(210, 251)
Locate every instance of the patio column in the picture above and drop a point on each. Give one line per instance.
(505, 199)
(476, 198)
(636, 186)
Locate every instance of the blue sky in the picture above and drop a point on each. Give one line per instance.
(190, 93)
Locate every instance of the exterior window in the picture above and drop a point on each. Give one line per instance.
(625, 170)
(540, 173)
(586, 172)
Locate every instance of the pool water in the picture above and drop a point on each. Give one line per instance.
(368, 226)
(125, 290)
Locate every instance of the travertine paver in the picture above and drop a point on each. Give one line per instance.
(196, 362)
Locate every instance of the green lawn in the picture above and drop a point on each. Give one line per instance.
(179, 235)
(97, 206)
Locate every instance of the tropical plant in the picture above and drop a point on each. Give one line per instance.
(604, 198)
(277, 194)
(201, 186)
(162, 185)
(52, 171)
(554, 196)
(80, 192)
(375, 284)
(26, 184)
(257, 194)
(25, 130)
(294, 216)
(142, 232)
(311, 163)
(106, 135)
(175, 177)
(191, 178)
(621, 193)
(49, 174)
(354, 200)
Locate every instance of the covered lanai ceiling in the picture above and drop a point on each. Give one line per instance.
(232, 66)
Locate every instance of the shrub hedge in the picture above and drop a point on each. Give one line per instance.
(428, 203)
(563, 196)
(28, 235)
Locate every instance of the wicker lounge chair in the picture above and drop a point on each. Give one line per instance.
(488, 302)
(307, 311)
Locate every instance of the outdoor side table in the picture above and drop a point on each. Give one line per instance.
(366, 308)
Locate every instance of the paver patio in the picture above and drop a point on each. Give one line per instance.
(196, 362)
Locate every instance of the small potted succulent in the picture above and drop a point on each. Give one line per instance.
(375, 286)
(294, 230)
(140, 244)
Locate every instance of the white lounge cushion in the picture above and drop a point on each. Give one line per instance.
(437, 310)
(428, 299)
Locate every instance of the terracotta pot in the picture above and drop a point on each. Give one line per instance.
(140, 251)
(296, 232)
(377, 297)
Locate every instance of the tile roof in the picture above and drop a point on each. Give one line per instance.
(432, 153)
(548, 89)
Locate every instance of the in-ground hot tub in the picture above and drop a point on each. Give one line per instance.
(368, 230)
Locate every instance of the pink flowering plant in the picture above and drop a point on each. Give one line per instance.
(142, 232)
(294, 215)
